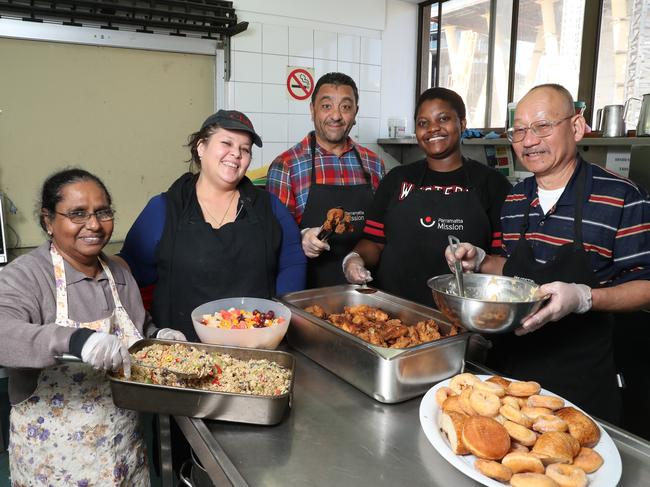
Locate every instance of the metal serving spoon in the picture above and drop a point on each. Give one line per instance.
(69, 358)
(453, 243)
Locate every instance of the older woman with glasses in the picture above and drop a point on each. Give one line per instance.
(66, 297)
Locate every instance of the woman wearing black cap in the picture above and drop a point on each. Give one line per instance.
(417, 206)
(213, 234)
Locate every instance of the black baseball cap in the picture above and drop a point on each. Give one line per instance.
(234, 120)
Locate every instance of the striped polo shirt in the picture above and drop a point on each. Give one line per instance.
(615, 224)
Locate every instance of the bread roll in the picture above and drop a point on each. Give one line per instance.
(451, 424)
(485, 437)
(581, 426)
(452, 403)
(556, 447)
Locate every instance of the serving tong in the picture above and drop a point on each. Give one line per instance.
(454, 243)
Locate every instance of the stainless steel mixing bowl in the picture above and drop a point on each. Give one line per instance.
(492, 304)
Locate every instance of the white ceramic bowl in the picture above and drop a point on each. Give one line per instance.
(268, 338)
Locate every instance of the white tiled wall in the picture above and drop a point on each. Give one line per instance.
(260, 57)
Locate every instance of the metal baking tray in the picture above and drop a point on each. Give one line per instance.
(385, 374)
(180, 401)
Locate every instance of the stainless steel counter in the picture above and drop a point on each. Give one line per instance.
(335, 435)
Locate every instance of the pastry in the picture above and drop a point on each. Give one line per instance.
(581, 426)
(486, 438)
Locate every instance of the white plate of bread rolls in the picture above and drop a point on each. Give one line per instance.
(500, 432)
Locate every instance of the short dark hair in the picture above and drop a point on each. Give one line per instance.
(439, 93)
(52, 191)
(560, 90)
(338, 79)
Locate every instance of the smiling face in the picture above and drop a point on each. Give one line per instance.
(333, 113)
(438, 129)
(554, 154)
(225, 157)
(80, 243)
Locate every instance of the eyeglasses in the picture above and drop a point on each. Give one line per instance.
(81, 216)
(541, 128)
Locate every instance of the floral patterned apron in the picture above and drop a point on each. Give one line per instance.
(69, 432)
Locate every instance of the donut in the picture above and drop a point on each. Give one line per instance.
(520, 433)
(534, 413)
(484, 403)
(465, 402)
(485, 438)
(520, 462)
(532, 480)
(581, 426)
(490, 387)
(588, 460)
(462, 381)
(567, 475)
(511, 401)
(523, 389)
(493, 469)
(550, 402)
(515, 415)
(497, 379)
(442, 394)
(547, 422)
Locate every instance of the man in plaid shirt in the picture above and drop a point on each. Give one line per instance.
(327, 169)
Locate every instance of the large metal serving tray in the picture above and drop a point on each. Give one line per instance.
(179, 401)
(387, 375)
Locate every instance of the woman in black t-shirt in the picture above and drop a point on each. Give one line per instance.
(417, 206)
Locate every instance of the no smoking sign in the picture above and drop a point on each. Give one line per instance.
(300, 82)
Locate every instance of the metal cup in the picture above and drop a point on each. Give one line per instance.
(613, 122)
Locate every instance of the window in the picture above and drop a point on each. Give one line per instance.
(623, 57)
(469, 50)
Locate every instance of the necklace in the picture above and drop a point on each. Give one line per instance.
(205, 206)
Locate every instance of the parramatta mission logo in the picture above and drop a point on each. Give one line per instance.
(446, 224)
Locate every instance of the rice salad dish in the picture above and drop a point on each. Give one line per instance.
(156, 364)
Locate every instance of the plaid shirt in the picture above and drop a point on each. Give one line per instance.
(289, 175)
(615, 224)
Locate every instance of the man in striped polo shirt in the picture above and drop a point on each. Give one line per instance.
(584, 233)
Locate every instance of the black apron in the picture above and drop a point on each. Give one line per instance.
(325, 270)
(574, 356)
(197, 263)
(417, 230)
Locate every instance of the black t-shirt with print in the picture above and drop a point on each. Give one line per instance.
(491, 186)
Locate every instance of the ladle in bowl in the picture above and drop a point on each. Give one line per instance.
(453, 243)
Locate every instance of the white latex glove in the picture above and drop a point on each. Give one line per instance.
(565, 298)
(311, 246)
(170, 334)
(106, 352)
(470, 256)
(355, 270)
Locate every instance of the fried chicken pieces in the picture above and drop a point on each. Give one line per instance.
(375, 326)
(337, 221)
